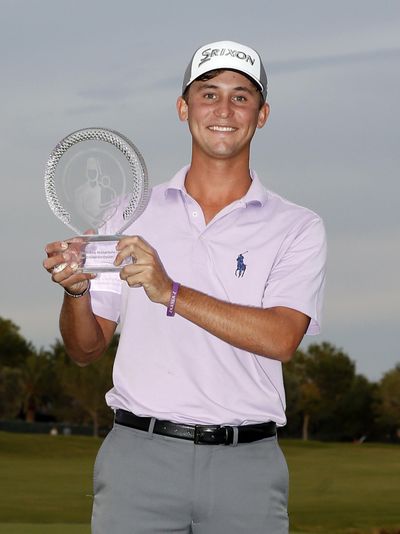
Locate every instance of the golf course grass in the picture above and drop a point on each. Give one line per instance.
(46, 486)
(344, 488)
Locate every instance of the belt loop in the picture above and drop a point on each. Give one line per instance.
(235, 440)
(151, 427)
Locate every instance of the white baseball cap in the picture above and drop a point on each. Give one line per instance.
(226, 55)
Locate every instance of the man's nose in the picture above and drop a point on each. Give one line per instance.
(223, 108)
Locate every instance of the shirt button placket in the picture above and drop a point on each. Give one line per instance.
(195, 216)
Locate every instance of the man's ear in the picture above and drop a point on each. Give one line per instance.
(263, 115)
(182, 108)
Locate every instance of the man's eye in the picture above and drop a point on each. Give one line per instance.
(240, 98)
(209, 96)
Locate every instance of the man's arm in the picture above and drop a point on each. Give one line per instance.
(85, 335)
(274, 332)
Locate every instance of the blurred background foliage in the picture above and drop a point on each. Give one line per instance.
(326, 399)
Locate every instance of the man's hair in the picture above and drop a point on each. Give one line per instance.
(216, 72)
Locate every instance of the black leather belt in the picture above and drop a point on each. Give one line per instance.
(205, 434)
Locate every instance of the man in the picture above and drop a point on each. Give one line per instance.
(198, 388)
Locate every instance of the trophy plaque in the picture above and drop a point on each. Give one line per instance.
(96, 183)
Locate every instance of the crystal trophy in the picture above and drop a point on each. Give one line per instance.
(96, 183)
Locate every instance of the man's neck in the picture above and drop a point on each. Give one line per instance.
(217, 183)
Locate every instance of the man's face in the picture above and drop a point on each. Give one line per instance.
(223, 114)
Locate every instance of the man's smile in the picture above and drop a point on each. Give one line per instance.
(217, 128)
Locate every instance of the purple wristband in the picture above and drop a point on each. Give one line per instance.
(172, 299)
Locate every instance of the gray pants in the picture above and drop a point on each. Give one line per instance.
(151, 484)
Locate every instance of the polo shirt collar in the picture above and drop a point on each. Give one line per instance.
(256, 195)
(178, 181)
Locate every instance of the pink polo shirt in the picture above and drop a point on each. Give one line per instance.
(259, 251)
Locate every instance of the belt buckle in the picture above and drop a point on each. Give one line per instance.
(211, 435)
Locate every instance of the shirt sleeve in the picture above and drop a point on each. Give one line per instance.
(105, 292)
(297, 278)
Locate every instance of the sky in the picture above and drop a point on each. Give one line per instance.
(331, 142)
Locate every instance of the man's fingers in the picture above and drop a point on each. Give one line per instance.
(132, 271)
(136, 241)
(135, 247)
(58, 259)
(56, 247)
(50, 263)
(62, 263)
(63, 271)
(68, 276)
(60, 267)
(146, 271)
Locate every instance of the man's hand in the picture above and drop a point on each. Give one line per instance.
(62, 263)
(146, 269)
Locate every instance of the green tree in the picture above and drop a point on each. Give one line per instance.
(331, 400)
(11, 388)
(389, 401)
(13, 347)
(35, 378)
(292, 378)
(332, 372)
(356, 410)
(86, 386)
(301, 388)
(310, 405)
(20, 373)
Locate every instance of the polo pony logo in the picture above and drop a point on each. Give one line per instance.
(240, 265)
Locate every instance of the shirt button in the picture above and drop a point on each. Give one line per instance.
(194, 213)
